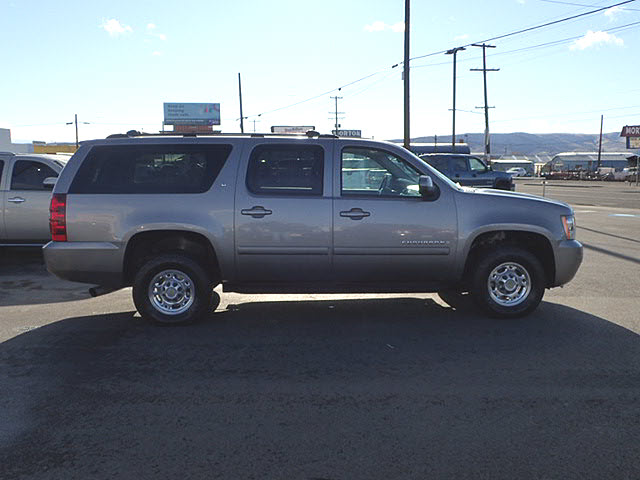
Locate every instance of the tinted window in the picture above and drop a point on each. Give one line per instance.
(150, 169)
(29, 175)
(286, 170)
(1, 169)
(439, 163)
(368, 171)
(459, 164)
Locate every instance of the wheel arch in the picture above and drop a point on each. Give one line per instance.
(142, 245)
(538, 243)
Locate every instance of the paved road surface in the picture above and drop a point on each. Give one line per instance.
(328, 387)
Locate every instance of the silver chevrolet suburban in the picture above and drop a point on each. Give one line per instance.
(174, 216)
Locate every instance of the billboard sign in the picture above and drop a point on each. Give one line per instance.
(348, 133)
(192, 114)
(292, 128)
(630, 131)
(633, 143)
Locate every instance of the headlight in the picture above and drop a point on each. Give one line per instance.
(569, 224)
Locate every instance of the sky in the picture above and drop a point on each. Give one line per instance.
(115, 63)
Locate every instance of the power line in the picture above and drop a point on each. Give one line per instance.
(535, 27)
(531, 47)
(517, 32)
(583, 5)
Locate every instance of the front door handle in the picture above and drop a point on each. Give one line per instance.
(355, 214)
(16, 200)
(256, 212)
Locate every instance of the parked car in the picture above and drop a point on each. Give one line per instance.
(174, 216)
(469, 171)
(517, 172)
(26, 181)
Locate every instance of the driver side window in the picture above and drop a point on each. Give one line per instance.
(476, 165)
(373, 172)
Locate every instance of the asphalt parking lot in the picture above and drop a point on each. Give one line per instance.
(332, 386)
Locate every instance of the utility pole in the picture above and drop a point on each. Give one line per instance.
(484, 70)
(454, 52)
(76, 122)
(254, 125)
(600, 144)
(240, 93)
(337, 125)
(405, 75)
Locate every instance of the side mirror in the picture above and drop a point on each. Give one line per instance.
(49, 182)
(428, 190)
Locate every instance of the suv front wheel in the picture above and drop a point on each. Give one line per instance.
(508, 282)
(173, 289)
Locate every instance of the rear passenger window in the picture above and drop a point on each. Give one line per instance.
(150, 169)
(286, 170)
(460, 165)
(29, 175)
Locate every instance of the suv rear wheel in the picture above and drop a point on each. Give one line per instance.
(508, 282)
(173, 289)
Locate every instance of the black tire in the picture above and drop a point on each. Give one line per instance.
(502, 185)
(184, 291)
(456, 299)
(518, 285)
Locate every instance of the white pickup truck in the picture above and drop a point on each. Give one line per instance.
(26, 183)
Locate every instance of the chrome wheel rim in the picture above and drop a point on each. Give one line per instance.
(509, 284)
(171, 292)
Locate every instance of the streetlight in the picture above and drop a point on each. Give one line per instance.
(76, 122)
(454, 52)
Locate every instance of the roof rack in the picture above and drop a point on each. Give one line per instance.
(135, 133)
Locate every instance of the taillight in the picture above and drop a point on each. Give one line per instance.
(58, 217)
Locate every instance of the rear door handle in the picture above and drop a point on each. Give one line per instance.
(355, 214)
(16, 200)
(256, 212)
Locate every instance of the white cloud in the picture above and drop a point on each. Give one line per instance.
(151, 30)
(381, 26)
(156, 53)
(521, 2)
(461, 37)
(591, 39)
(397, 27)
(114, 28)
(375, 27)
(612, 13)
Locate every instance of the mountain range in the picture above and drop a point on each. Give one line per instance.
(520, 143)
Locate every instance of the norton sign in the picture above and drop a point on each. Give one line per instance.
(630, 131)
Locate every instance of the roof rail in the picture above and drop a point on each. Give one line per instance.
(135, 133)
(8, 154)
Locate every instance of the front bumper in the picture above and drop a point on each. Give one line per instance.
(568, 255)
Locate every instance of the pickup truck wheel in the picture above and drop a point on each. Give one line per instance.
(502, 185)
(508, 282)
(173, 289)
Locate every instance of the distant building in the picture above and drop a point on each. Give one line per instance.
(7, 146)
(35, 147)
(588, 161)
